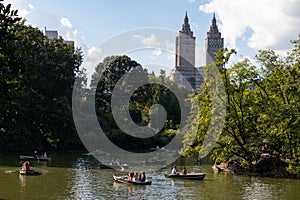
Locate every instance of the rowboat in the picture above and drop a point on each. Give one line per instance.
(38, 158)
(155, 162)
(114, 166)
(190, 176)
(125, 179)
(28, 172)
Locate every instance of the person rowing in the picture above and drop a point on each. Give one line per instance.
(131, 175)
(26, 166)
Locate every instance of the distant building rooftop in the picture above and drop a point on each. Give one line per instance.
(52, 34)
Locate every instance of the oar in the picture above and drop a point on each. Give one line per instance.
(11, 171)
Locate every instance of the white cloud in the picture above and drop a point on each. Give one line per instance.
(66, 22)
(41, 19)
(93, 57)
(22, 6)
(170, 46)
(156, 52)
(31, 6)
(268, 23)
(171, 57)
(150, 41)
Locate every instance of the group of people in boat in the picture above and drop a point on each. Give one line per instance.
(115, 162)
(136, 176)
(174, 170)
(26, 165)
(36, 155)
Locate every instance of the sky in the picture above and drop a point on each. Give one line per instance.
(246, 25)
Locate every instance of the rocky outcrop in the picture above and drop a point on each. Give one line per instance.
(268, 166)
(271, 166)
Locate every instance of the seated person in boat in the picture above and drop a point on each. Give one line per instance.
(115, 162)
(45, 155)
(112, 162)
(26, 166)
(35, 154)
(184, 171)
(131, 175)
(143, 177)
(136, 177)
(174, 170)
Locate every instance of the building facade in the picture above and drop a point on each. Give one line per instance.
(51, 34)
(213, 42)
(185, 72)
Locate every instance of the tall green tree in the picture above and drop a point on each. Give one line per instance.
(280, 117)
(37, 77)
(240, 135)
(104, 81)
(262, 109)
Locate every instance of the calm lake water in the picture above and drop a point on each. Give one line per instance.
(78, 176)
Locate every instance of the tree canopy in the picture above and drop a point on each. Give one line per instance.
(37, 77)
(105, 79)
(262, 109)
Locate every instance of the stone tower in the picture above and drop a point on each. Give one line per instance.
(213, 42)
(184, 71)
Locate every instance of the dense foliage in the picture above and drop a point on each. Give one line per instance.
(262, 106)
(37, 77)
(107, 74)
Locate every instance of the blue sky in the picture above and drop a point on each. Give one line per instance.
(97, 20)
(246, 25)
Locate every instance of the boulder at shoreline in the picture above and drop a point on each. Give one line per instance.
(268, 165)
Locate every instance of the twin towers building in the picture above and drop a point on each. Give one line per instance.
(185, 72)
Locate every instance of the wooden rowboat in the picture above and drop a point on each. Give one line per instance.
(125, 179)
(38, 158)
(190, 176)
(155, 162)
(114, 166)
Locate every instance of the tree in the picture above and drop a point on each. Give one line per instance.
(280, 117)
(262, 109)
(240, 135)
(106, 78)
(37, 77)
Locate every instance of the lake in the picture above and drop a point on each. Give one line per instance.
(72, 175)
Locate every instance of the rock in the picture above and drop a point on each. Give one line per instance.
(271, 166)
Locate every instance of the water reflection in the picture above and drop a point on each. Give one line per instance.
(74, 176)
(83, 180)
(22, 181)
(121, 187)
(257, 188)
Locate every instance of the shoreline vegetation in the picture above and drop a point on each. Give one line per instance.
(261, 129)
